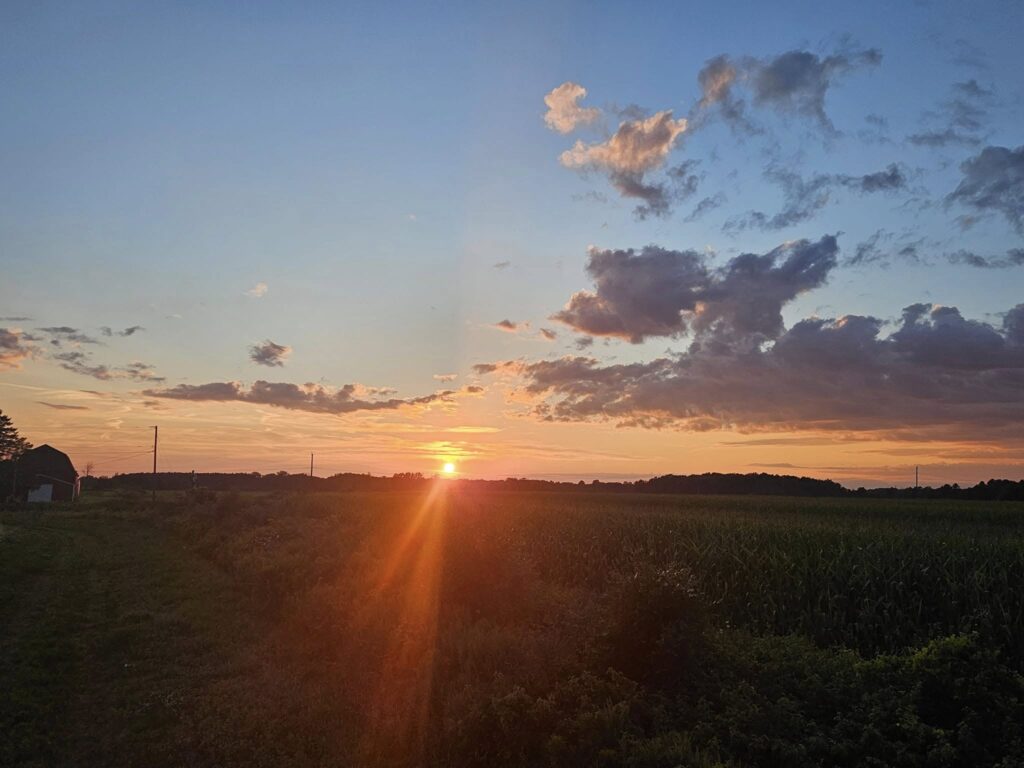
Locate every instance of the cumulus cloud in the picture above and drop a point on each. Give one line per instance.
(938, 371)
(993, 181)
(637, 148)
(564, 111)
(314, 398)
(269, 354)
(661, 292)
(258, 291)
(15, 346)
(796, 82)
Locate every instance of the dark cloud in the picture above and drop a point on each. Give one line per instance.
(937, 373)
(958, 120)
(507, 325)
(269, 354)
(882, 181)
(14, 347)
(314, 398)
(62, 406)
(706, 205)
(942, 138)
(880, 249)
(798, 81)
(795, 82)
(548, 334)
(660, 292)
(14, 319)
(1013, 258)
(81, 363)
(60, 334)
(502, 265)
(804, 197)
(993, 181)
(129, 331)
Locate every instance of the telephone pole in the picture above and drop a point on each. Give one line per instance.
(156, 433)
(311, 465)
(917, 484)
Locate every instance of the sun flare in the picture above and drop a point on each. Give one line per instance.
(448, 468)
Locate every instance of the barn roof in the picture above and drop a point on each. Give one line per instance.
(45, 459)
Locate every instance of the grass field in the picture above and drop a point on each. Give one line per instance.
(468, 629)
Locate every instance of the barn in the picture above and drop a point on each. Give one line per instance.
(46, 474)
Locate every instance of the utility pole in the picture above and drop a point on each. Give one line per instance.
(311, 465)
(156, 433)
(917, 484)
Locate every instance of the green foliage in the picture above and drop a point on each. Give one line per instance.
(519, 629)
(12, 445)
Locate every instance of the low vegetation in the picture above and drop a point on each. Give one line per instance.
(457, 627)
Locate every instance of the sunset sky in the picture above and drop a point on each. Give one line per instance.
(558, 240)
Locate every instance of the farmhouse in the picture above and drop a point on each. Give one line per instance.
(46, 474)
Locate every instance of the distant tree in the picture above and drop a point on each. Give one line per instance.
(12, 445)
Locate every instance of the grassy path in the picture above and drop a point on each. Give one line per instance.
(121, 648)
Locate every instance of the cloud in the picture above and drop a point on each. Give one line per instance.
(796, 82)
(63, 407)
(130, 331)
(937, 373)
(706, 205)
(637, 148)
(1013, 258)
(564, 111)
(502, 264)
(269, 354)
(661, 292)
(81, 363)
(960, 118)
(14, 319)
(445, 377)
(507, 325)
(804, 197)
(314, 398)
(13, 347)
(548, 334)
(258, 291)
(877, 250)
(993, 181)
(60, 334)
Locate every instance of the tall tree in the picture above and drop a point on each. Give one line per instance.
(12, 445)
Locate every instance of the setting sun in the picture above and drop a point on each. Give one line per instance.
(448, 468)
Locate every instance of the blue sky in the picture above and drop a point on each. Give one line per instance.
(371, 165)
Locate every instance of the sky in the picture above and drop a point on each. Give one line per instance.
(560, 240)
